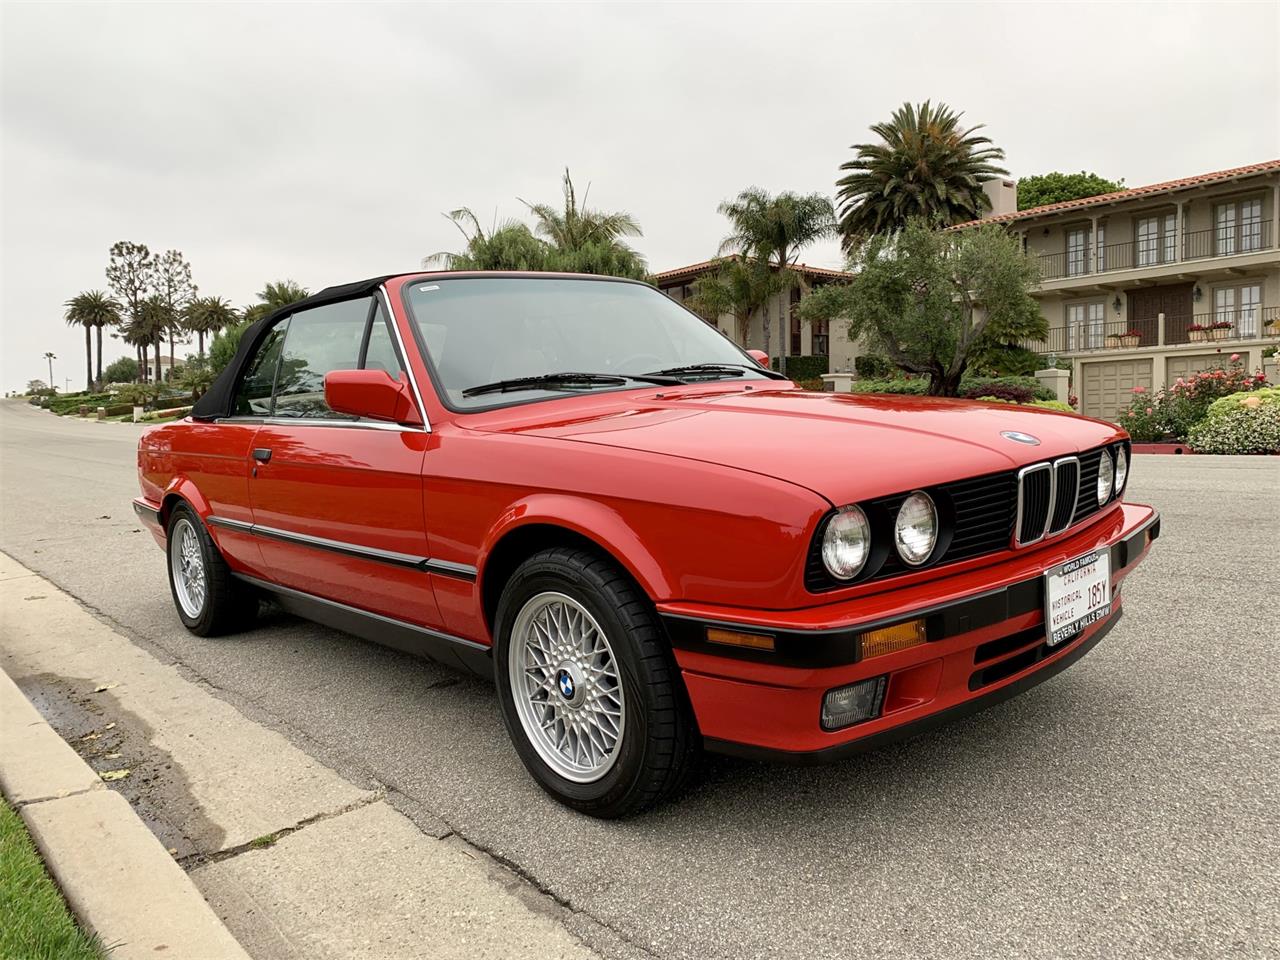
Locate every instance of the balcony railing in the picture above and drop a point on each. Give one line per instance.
(1155, 251)
(1247, 324)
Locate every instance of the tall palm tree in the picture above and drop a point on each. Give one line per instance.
(773, 230)
(92, 309)
(205, 316)
(575, 225)
(739, 287)
(51, 356)
(925, 165)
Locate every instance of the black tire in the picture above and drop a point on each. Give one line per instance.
(660, 744)
(228, 605)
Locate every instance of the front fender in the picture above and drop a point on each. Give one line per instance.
(587, 518)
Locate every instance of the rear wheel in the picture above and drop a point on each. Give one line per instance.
(589, 693)
(209, 600)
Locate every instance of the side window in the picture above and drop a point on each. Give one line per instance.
(319, 340)
(380, 351)
(253, 397)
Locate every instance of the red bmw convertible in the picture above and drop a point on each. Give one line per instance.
(649, 541)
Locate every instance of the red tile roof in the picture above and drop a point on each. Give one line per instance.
(1268, 166)
(696, 269)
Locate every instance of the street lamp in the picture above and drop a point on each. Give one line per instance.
(51, 357)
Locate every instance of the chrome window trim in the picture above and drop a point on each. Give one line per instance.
(446, 568)
(1053, 502)
(1017, 520)
(413, 381)
(322, 422)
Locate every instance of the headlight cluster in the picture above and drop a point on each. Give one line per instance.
(847, 543)
(1113, 471)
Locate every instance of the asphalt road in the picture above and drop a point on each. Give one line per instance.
(1126, 808)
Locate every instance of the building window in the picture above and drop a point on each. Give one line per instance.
(1157, 237)
(1241, 306)
(1101, 250)
(821, 338)
(1085, 325)
(1077, 252)
(1238, 227)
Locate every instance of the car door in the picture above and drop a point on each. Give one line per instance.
(337, 501)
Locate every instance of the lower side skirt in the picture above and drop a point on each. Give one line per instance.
(442, 648)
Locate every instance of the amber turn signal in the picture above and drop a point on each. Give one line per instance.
(732, 638)
(876, 643)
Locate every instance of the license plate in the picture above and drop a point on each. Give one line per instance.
(1076, 594)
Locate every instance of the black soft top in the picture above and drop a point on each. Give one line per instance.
(217, 401)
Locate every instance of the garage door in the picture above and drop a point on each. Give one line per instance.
(1186, 366)
(1107, 387)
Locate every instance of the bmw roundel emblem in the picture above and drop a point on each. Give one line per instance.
(1017, 437)
(566, 684)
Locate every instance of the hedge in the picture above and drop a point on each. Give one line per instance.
(805, 368)
(969, 386)
(1254, 429)
(873, 367)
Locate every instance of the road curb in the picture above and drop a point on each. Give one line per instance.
(117, 877)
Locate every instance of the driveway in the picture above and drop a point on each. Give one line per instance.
(1126, 808)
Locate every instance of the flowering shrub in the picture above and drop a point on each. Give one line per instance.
(1249, 399)
(1170, 414)
(1244, 429)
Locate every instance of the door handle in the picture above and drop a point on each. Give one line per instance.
(262, 454)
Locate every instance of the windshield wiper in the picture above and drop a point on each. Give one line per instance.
(567, 379)
(729, 369)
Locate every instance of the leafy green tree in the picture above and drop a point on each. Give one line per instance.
(924, 165)
(739, 287)
(130, 274)
(932, 301)
(196, 376)
(205, 316)
(174, 286)
(122, 370)
(92, 309)
(223, 347)
(1057, 187)
(772, 230)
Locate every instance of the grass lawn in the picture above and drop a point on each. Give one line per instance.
(34, 921)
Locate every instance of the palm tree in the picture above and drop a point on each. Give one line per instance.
(508, 246)
(92, 309)
(205, 316)
(773, 230)
(51, 357)
(925, 165)
(147, 331)
(281, 293)
(739, 287)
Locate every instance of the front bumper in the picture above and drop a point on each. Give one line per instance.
(985, 643)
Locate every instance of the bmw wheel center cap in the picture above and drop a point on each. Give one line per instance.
(567, 682)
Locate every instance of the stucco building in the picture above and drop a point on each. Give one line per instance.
(816, 339)
(1146, 285)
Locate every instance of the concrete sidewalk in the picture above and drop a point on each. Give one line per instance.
(296, 860)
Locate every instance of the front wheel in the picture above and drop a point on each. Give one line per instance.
(589, 693)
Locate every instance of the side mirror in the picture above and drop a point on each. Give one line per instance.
(760, 357)
(371, 393)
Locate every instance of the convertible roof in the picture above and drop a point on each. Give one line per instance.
(218, 399)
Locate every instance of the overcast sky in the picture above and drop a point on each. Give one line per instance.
(321, 142)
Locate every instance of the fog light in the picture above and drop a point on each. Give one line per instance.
(856, 703)
(734, 638)
(876, 643)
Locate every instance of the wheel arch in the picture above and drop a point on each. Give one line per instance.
(182, 490)
(535, 527)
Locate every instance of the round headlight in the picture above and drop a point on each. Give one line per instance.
(1122, 469)
(846, 543)
(916, 529)
(1106, 477)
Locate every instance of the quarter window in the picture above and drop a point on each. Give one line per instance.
(253, 398)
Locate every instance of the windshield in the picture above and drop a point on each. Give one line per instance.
(481, 331)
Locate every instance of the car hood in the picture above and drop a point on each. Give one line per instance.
(845, 447)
